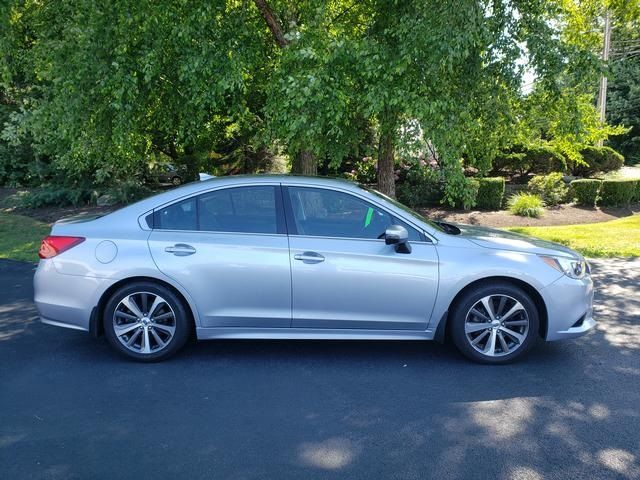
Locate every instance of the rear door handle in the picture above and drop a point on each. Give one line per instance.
(181, 250)
(309, 257)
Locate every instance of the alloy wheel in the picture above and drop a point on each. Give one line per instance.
(144, 322)
(496, 325)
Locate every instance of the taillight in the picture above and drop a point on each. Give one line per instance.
(54, 245)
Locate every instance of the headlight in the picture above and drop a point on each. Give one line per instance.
(571, 268)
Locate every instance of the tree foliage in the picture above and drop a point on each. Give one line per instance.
(97, 88)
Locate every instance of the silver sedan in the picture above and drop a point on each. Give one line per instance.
(304, 258)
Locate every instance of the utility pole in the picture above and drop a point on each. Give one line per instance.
(602, 92)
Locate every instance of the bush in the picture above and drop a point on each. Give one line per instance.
(550, 187)
(617, 193)
(490, 193)
(420, 186)
(585, 191)
(636, 197)
(597, 159)
(55, 196)
(526, 205)
(540, 159)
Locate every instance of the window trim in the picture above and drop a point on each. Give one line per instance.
(292, 229)
(281, 225)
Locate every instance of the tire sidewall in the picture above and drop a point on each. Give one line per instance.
(183, 325)
(462, 307)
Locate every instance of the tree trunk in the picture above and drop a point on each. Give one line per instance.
(386, 158)
(304, 163)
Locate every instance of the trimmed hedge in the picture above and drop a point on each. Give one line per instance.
(585, 191)
(490, 193)
(617, 193)
(597, 159)
(636, 198)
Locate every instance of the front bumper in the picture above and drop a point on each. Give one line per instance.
(569, 308)
(65, 300)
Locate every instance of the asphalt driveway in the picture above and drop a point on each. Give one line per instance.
(71, 408)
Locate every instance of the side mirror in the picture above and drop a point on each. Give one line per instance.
(397, 235)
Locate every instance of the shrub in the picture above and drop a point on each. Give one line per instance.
(636, 197)
(514, 162)
(616, 193)
(545, 159)
(420, 186)
(585, 191)
(597, 159)
(55, 196)
(540, 159)
(490, 193)
(526, 205)
(550, 187)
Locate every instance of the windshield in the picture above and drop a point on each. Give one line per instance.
(404, 208)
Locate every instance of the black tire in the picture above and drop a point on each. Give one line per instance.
(183, 322)
(176, 181)
(458, 318)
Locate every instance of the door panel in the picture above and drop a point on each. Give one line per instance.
(236, 280)
(362, 284)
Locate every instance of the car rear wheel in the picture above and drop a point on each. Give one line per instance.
(146, 322)
(494, 324)
(177, 181)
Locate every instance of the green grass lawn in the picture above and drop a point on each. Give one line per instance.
(617, 238)
(20, 237)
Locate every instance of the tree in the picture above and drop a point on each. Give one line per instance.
(623, 102)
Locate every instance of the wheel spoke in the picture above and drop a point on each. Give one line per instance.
(486, 301)
(517, 307)
(145, 347)
(478, 313)
(145, 302)
(503, 301)
(131, 304)
(471, 327)
(165, 328)
(503, 343)
(157, 338)
(516, 323)
(133, 338)
(156, 303)
(122, 314)
(126, 328)
(490, 347)
(479, 338)
(519, 337)
(164, 316)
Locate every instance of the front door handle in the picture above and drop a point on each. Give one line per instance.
(309, 257)
(181, 250)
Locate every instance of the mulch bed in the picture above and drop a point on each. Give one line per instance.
(560, 215)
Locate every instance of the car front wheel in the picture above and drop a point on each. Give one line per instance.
(495, 323)
(146, 321)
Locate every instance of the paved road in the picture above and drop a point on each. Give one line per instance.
(70, 408)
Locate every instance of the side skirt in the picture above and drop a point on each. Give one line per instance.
(312, 334)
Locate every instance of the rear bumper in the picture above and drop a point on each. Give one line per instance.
(65, 300)
(569, 307)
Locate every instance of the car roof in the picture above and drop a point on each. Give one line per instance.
(192, 188)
